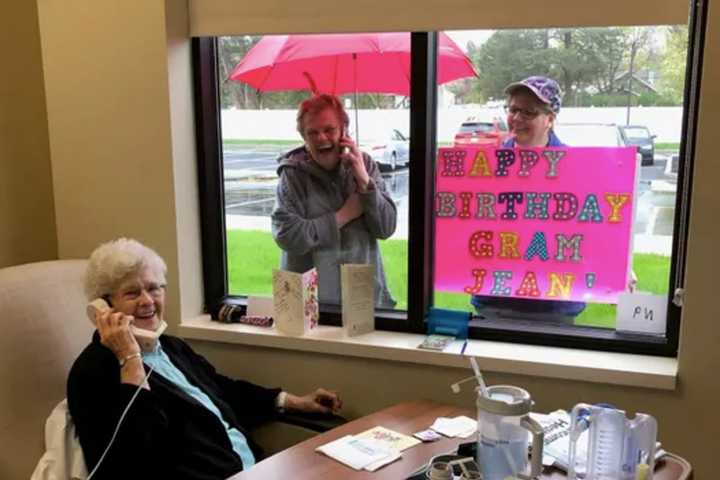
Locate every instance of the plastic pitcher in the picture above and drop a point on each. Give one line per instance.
(503, 426)
(614, 447)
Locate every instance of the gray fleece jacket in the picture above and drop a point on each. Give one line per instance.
(303, 223)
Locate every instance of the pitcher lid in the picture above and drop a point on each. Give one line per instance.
(505, 400)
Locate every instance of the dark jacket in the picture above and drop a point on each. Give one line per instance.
(166, 433)
(304, 227)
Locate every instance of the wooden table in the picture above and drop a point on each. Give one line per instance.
(302, 462)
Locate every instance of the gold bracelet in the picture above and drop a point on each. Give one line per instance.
(129, 357)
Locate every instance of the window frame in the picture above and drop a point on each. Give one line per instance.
(423, 147)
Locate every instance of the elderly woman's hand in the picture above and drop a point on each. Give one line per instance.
(115, 333)
(319, 401)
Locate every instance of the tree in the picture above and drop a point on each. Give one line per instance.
(230, 51)
(241, 95)
(606, 48)
(674, 63)
(510, 55)
(580, 59)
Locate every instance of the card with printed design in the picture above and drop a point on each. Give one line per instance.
(295, 301)
(427, 435)
(436, 342)
(357, 283)
(389, 438)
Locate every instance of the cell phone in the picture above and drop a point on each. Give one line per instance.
(147, 339)
(345, 149)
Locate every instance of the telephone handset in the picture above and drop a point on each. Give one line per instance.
(147, 339)
(343, 150)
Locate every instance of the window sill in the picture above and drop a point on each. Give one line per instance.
(540, 361)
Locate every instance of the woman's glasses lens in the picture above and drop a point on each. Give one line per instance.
(523, 112)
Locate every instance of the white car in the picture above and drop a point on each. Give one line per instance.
(589, 135)
(389, 152)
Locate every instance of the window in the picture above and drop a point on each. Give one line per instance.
(263, 157)
(466, 114)
(615, 88)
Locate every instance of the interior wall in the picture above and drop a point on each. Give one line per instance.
(108, 100)
(182, 114)
(27, 216)
(229, 17)
(110, 111)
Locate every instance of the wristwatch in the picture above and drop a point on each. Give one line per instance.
(124, 360)
(280, 401)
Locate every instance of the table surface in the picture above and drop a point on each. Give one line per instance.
(303, 462)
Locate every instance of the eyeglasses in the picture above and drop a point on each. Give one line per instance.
(154, 290)
(525, 113)
(327, 131)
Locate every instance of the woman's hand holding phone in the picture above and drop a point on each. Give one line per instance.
(352, 158)
(115, 333)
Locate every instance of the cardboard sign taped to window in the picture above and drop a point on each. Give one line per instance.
(539, 223)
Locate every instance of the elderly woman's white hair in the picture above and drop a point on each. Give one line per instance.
(114, 261)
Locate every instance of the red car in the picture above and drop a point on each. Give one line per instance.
(482, 132)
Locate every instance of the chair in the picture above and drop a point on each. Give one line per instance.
(44, 330)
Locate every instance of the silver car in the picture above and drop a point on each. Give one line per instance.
(390, 152)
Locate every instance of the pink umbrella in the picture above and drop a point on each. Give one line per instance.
(343, 63)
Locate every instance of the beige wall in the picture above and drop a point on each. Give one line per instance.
(109, 116)
(27, 217)
(229, 17)
(121, 168)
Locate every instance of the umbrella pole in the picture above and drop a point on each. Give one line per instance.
(357, 125)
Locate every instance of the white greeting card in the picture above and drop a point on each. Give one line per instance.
(295, 301)
(357, 282)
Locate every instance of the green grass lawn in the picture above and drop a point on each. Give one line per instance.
(253, 254)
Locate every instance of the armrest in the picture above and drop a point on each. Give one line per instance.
(317, 422)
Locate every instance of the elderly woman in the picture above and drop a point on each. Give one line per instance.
(331, 204)
(532, 108)
(186, 420)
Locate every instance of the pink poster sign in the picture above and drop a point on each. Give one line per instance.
(539, 223)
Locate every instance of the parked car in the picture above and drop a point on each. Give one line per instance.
(640, 136)
(482, 131)
(389, 152)
(591, 135)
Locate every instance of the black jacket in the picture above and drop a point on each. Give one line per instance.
(166, 433)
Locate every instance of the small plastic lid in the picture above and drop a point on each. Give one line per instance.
(505, 400)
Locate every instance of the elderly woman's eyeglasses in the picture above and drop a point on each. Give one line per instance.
(153, 290)
(525, 113)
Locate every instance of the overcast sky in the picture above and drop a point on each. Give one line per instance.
(462, 37)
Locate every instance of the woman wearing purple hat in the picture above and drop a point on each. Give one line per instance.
(532, 107)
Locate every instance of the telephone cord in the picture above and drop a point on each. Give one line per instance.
(117, 427)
